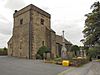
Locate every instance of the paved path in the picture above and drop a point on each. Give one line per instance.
(92, 68)
(15, 66)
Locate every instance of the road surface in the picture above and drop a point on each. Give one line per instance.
(16, 66)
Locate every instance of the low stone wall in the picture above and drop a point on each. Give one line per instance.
(79, 62)
(3, 53)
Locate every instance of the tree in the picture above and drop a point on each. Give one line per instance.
(92, 31)
(75, 49)
(92, 26)
(5, 49)
(82, 40)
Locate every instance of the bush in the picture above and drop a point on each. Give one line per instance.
(41, 51)
(38, 56)
(58, 60)
(93, 52)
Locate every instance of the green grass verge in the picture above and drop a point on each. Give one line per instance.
(98, 60)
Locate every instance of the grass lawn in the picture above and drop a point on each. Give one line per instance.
(98, 60)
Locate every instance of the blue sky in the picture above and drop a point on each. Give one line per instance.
(67, 15)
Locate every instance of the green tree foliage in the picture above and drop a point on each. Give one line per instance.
(92, 26)
(74, 49)
(3, 51)
(42, 50)
(92, 31)
(94, 51)
(5, 48)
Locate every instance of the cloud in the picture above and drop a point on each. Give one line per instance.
(73, 29)
(5, 28)
(14, 4)
(3, 40)
(5, 24)
(3, 19)
(45, 8)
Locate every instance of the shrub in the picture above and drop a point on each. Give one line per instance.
(58, 60)
(41, 51)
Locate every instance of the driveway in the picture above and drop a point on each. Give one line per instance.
(17, 66)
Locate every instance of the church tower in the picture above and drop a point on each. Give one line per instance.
(31, 31)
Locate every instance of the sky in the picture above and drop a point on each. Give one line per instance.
(67, 15)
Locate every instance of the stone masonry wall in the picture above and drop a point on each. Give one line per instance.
(53, 43)
(20, 42)
(39, 31)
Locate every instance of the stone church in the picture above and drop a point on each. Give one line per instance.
(31, 30)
